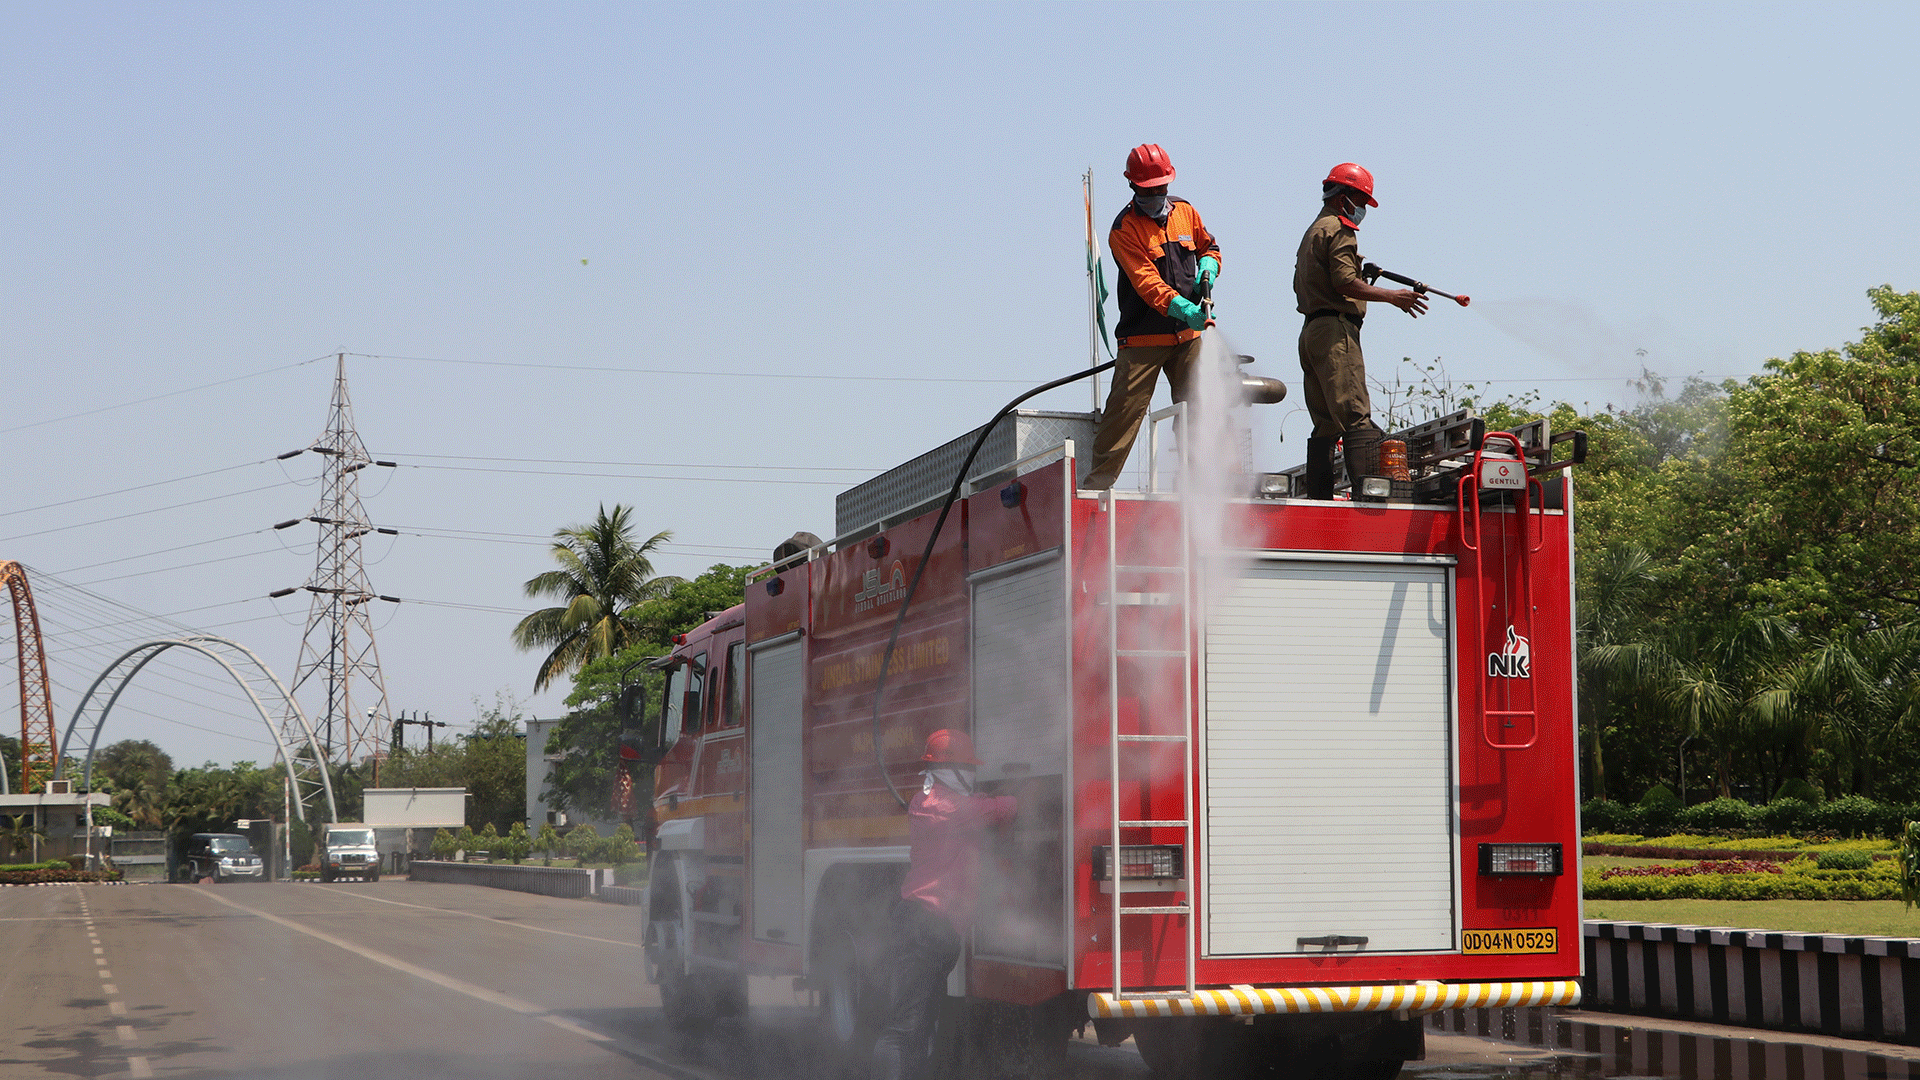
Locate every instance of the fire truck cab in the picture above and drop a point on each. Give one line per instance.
(1291, 773)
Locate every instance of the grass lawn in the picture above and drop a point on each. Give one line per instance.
(1874, 918)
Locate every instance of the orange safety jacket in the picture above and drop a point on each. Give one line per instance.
(1156, 262)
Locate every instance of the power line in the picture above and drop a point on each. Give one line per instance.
(136, 487)
(158, 397)
(183, 566)
(622, 476)
(143, 513)
(810, 376)
(643, 464)
(162, 551)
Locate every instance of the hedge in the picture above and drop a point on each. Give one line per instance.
(1798, 880)
(46, 875)
(1849, 815)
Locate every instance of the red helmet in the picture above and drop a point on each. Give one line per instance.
(1350, 175)
(949, 747)
(1149, 166)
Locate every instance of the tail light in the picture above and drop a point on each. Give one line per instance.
(1143, 862)
(1526, 860)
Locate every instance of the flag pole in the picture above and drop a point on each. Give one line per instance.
(1093, 289)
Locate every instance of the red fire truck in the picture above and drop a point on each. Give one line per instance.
(1281, 794)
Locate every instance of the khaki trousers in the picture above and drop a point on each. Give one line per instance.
(1135, 371)
(1334, 377)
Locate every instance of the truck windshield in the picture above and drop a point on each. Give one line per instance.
(232, 845)
(350, 837)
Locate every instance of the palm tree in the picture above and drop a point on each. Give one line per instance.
(1615, 656)
(20, 835)
(602, 574)
(1862, 690)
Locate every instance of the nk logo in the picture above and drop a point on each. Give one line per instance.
(1513, 661)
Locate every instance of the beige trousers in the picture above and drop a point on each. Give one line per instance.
(1135, 373)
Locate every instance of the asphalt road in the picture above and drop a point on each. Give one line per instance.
(419, 980)
(301, 982)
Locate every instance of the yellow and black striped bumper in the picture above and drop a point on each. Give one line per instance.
(1410, 998)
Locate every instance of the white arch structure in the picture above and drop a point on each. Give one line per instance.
(306, 772)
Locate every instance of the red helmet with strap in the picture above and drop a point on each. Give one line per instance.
(1347, 174)
(1149, 166)
(949, 747)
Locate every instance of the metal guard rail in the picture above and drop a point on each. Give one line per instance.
(1414, 998)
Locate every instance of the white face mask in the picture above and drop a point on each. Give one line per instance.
(1153, 206)
(951, 777)
(1356, 212)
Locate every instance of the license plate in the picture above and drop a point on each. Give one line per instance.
(1496, 473)
(1546, 939)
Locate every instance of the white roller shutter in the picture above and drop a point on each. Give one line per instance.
(1021, 715)
(773, 730)
(1329, 759)
(1021, 690)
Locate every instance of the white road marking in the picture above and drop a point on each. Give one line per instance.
(125, 1031)
(97, 950)
(105, 974)
(100, 960)
(625, 1046)
(109, 988)
(117, 1008)
(488, 918)
(139, 1069)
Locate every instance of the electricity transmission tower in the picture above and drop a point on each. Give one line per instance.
(338, 658)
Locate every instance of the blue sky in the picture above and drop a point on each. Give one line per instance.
(885, 199)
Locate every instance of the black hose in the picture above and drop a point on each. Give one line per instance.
(959, 481)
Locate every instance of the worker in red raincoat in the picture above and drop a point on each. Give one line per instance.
(947, 826)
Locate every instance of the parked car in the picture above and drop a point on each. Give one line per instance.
(222, 857)
(347, 849)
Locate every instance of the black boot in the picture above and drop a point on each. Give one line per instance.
(1319, 468)
(1362, 451)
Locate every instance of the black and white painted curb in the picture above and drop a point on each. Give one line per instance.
(1857, 987)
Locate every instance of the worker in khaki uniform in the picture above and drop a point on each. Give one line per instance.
(1164, 254)
(1333, 297)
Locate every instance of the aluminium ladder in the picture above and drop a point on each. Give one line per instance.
(1183, 655)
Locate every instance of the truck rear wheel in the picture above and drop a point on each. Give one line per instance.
(1194, 1048)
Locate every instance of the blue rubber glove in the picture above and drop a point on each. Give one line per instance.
(1187, 312)
(1209, 269)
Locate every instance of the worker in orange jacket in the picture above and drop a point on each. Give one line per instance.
(1165, 256)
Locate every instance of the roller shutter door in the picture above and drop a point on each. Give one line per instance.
(1021, 715)
(1329, 759)
(1020, 679)
(774, 732)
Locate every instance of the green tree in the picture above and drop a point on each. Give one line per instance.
(136, 772)
(496, 766)
(516, 844)
(547, 842)
(582, 841)
(490, 762)
(603, 572)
